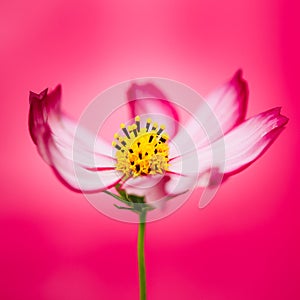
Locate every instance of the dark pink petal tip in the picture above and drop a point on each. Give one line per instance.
(36, 97)
(239, 82)
(275, 115)
(281, 119)
(41, 105)
(242, 90)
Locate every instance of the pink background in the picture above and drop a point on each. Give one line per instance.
(55, 245)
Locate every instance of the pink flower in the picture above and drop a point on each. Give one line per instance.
(144, 159)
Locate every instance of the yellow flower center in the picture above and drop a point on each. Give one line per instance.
(142, 151)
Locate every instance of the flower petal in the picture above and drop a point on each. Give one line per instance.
(151, 187)
(237, 150)
(77, 143)
(142, 185)
(40, 105)
(179, 184)
(78, 177)
(223, 109)
(247, 142)
(68, 148)
(229, 102)
(147, 99)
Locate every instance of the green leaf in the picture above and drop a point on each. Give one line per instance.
(136, 199)
(122, 207)
(122, 192)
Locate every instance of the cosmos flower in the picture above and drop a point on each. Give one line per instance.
(143, 159)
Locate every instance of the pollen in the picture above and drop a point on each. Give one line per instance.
(141, 150)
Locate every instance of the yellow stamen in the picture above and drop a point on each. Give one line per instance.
(154, 126)
(138, 123)
(142, 151)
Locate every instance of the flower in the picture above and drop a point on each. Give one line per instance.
(143, 159)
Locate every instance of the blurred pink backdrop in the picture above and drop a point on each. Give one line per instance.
(54, 245)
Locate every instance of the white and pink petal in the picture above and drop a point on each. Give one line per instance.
(151, 187)
(229, 102)
(238, 149)
(223, 109)
(69, 151)
(248, 141)
(148, 101)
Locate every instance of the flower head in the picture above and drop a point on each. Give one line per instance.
(142, 150)
(142, 159)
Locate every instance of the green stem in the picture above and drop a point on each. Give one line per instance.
(141, 254)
